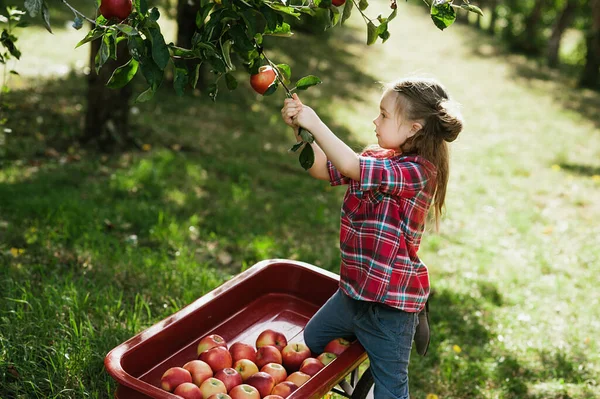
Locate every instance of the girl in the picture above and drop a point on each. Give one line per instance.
(383, 283)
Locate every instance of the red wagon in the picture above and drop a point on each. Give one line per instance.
(277, 294)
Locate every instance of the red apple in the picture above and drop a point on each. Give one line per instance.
(220, 396)
(284, 389)
(199, 370)
(240, 350)
(294, 354)
(245, 368)
(210, 341)
(174, 377)
(326, 358)
(277, 371)
(337, 346)
(244, 391)
(268, 354)
(217, 358)
(338, 3)
(262, 381)
(119, 9)
(261, 81)
(271, 337)
(212, 386)
(273, 397)
(187, 390)
(230, 377)
(311, 366)
(298, 378)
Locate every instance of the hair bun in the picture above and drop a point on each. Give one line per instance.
(450, 121)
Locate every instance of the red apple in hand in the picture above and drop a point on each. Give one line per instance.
(244, 391)
(337, 346)
(277, 371)
(261, 81)
(119, 9)
(240, 350)
(210, 341)
(294, 354)
(230, 377)
(217, 358)
(199, 370)
(284, 389)
(268, 354)
(263, 382)
(311, 366)
(211, 387)
(326, 358)
(174, 377)
(271, 337)
(245, 368)
(187, 390)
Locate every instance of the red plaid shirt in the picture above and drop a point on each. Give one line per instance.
(383, 216)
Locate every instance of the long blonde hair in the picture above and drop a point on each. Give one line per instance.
(427, 101)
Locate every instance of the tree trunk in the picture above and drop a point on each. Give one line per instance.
(591, 72)
(493, 16)
(561, 24)
(107, 116)
(186, 27)
(529, 41)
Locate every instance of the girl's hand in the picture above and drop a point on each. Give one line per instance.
(296, 114)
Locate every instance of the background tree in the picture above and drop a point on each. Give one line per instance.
(591, 71)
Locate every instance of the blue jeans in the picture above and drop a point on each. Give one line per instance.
(385, 333)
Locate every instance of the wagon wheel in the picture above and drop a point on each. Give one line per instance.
(356, 388)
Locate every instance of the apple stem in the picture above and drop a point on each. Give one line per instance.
(76, 12)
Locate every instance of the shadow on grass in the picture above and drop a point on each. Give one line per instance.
(583, 101)
(579, 169)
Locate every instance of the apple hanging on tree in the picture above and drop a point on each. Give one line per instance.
(118, 9)
(262, 80)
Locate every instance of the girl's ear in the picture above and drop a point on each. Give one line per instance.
(414, 128)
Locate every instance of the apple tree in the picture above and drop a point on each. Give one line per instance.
(227, 33)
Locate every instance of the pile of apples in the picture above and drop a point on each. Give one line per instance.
(272, 370)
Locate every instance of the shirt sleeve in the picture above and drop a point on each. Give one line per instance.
(403, 179)
(335, 177)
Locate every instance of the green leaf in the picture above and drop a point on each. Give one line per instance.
(443, 15)
(347, 10)
(160, 51)
(284, 9)
(226, 47)
(34, 7)
(363, 4)
(307, 82)
(306, 136)
(296, 146)
(153, 74)
(230, 81)
(371, 33)
(154, 14)
(123, 74)
(285, 71)
(46, 17)
(78, 22)
(307, 157)
(213, 90)
(283, 30)
(272, 89)
(472, 8)
(183, 52)
(203, 13)
(127, 29)
(104, 52)
(392, 15)
(195, 75)
(136, 46)
(91, 36)
(145, 96)
(143, 7)
(334, 16)
(181, 77)
(270, 16)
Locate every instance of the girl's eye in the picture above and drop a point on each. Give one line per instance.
(382, 115)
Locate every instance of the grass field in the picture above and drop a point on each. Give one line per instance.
(95, 248)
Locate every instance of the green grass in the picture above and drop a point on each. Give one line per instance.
(95, 248)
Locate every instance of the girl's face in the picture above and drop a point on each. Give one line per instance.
(391, 127)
